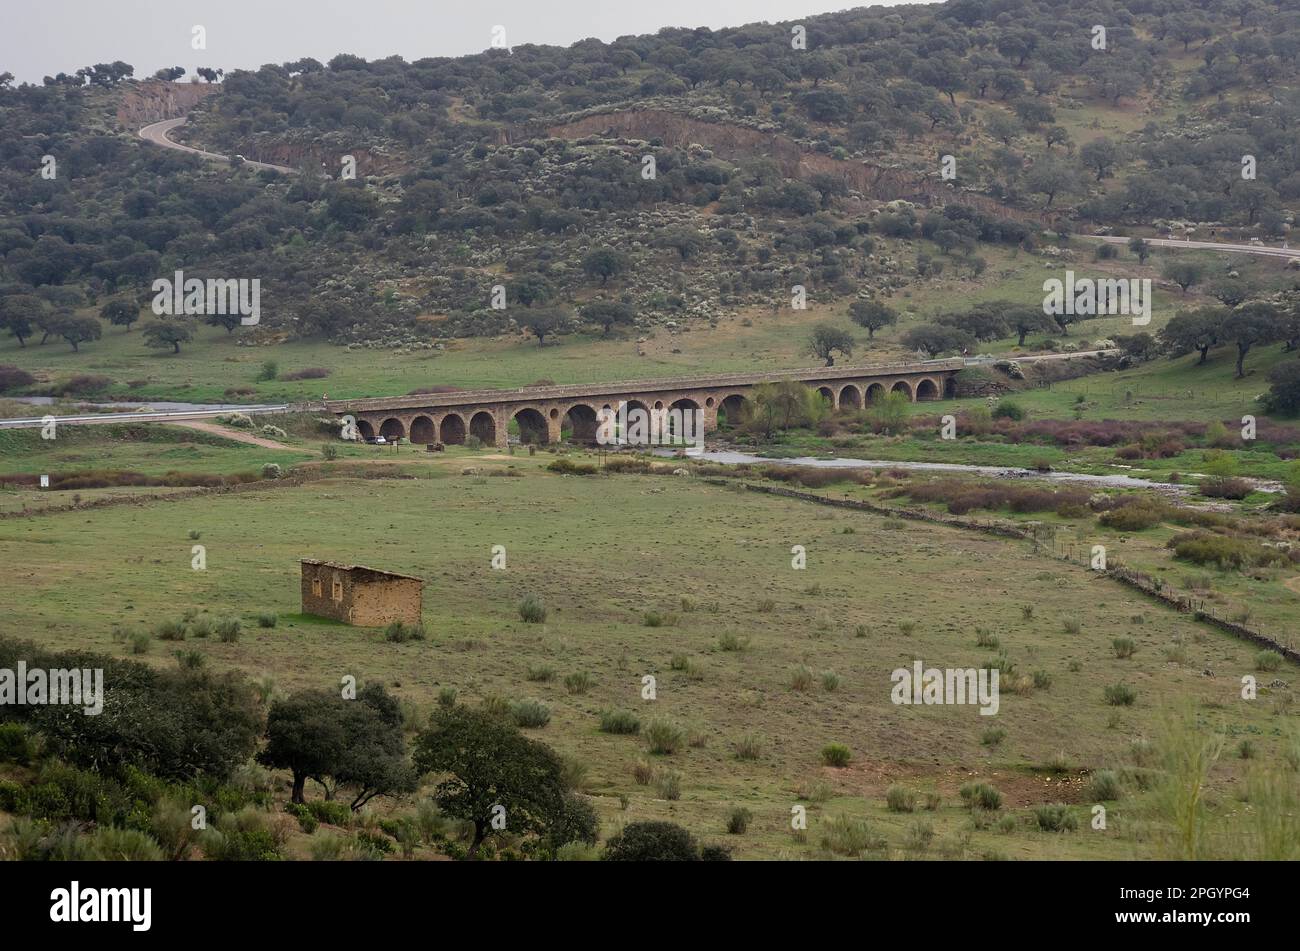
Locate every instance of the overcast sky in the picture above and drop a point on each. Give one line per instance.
(44, 37)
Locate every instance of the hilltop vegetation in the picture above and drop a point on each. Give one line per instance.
(774, 167)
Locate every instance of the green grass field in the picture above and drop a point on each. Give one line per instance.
(601, 553)
(149, 449)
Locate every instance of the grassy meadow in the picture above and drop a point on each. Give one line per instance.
(760, 666)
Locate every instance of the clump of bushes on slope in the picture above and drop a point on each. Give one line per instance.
(1225, 551)
(962, 496)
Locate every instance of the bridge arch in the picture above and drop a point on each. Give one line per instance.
(735, 409)
(927, 389)
(533, 429)
(453, 429)
(365, 429)
(875, 393)
(392, 428)
(850, 396)
(950, 388)
(686, 405)
(483, 425)
(423, 430)
(581, 423)
(902, 386)
(826, 393)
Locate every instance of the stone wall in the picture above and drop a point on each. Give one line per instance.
(367, 598)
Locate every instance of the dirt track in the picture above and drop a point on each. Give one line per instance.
(228, 432)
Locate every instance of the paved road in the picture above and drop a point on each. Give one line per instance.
(1261, 249)
(163, 417)
(157, 134)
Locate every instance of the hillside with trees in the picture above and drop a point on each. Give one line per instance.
(675, 176)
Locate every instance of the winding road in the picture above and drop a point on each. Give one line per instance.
(157, 134)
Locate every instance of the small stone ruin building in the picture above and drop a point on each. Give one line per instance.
(355, 594)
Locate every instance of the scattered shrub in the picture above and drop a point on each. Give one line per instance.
(170, 631)
(981, 796)
(1268, 660)
(532, 610)
(1055, 818)
(1133, 518)
(919, 836)
(738, 820)
(530, 714)
(749, 747)
(664, 736)
(728, 641)
(654, 841)
(1008, 410)
(668, 783)
(1207, 548)
(1120, 695)
(1234, 489)
(900, 799)
(622, 722)
(309, 373)
(845, 835)
(111, 844)
(1104, 786)
(399, 633)
(578, 682)
(14, 378)
(836, 755)
(566, 466)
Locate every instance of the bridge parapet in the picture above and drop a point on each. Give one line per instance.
(525, 394)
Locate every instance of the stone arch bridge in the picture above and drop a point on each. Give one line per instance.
(547, 414)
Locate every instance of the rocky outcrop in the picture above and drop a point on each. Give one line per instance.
(154, 100)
